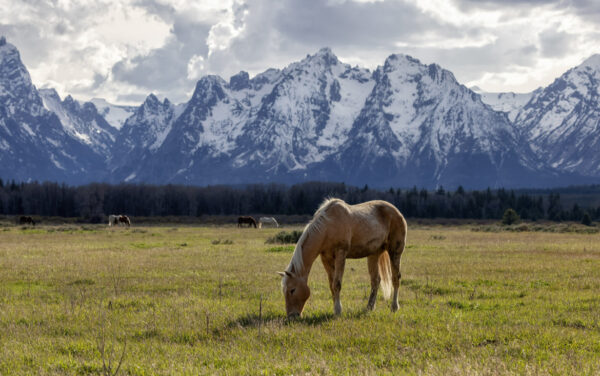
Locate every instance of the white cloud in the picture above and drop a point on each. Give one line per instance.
(195, 67)
(124, 49)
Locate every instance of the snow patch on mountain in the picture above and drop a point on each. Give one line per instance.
(509, 103)
(115, 115)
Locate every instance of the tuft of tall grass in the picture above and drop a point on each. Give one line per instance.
(285, 237)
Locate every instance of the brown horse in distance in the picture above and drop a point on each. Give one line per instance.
(26, 220)
(246, 220)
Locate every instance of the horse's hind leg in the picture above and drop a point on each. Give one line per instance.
(373, 262)
(396, 275)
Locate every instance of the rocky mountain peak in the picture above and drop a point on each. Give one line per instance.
(326, 55)
(321, 61)
(8, 51)
(14, 77)
(239, 81)
(151, 101)
(405, 124)
(397, 62)
(50, 93)
(592, 62)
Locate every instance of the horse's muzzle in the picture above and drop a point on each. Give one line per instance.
(293, 316)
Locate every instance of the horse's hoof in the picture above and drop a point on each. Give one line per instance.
(394, 308)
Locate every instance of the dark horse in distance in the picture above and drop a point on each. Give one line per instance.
(246, 220)
(26, 220)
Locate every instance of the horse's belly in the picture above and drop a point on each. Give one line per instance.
(364, 250)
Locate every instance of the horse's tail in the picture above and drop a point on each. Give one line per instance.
(385, 272)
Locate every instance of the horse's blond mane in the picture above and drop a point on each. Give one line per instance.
(314, 226)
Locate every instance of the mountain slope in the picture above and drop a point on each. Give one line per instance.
(404, 124)
(144, 131)
(562, 121)
(420, 126)
(81, 121)
(33, 142)
(271, 126)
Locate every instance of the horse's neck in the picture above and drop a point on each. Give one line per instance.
(310, 251)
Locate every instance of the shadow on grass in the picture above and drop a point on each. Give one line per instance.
(252, 320)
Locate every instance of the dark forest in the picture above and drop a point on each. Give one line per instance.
(93, 202)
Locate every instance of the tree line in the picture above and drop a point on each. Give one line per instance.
(95, 201)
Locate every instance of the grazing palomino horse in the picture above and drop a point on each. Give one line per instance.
(124, 220)
(113, 220)
(267, 220)
(338, 231)
(246, 219)
(26, 220)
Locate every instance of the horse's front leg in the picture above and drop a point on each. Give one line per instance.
(338, 273)
(329, 265)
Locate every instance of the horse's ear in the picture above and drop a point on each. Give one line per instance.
(281, 273)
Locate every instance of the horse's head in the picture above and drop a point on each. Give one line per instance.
(296, 292)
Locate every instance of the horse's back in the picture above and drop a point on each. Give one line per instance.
(368, 226)
(390, 216)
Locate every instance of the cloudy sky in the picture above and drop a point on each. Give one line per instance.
(122, 50)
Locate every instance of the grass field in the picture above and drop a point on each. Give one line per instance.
(185, 300)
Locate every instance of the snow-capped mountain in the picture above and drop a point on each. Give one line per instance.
(307, 116)
(33, 142)
(562, 121)
(272, 126)
(144, 131)
(404, 124)
(81, 121)
(420, 125)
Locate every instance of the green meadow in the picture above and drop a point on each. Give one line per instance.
(81, 300)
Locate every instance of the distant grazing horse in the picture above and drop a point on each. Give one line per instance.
(26, 220)
(113, 220)
(246, 219)
(263, 220)
(374, 229)
(124, 220)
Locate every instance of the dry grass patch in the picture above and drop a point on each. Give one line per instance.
(206, 300)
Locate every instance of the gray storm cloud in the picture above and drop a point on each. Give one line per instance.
(122, 50)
